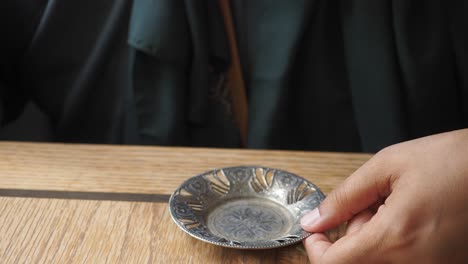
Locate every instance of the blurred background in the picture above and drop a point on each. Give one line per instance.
(33, 125)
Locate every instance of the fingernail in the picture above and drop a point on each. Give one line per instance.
(310, 218)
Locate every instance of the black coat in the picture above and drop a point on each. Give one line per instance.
(349, 75)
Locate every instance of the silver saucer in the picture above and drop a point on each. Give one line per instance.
(245, 207)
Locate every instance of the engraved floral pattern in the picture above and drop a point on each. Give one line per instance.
(247, 223)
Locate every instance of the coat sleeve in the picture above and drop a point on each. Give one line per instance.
(19, 20)
(458, 20)
(1, 104)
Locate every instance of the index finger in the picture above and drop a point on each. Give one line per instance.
(367, 185)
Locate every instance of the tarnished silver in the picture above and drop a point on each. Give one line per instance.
(245, 207)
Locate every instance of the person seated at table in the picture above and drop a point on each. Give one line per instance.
(333, 75)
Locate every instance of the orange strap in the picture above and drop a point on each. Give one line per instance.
(235, 80)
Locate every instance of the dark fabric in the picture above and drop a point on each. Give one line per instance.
(298, 88)
(179, 53)
(18, 21)
(75, 67)
(321, 75)
(402, 69)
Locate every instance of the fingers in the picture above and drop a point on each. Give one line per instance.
(366, 186)
(360, 242)
(316, 245)
(355, 224)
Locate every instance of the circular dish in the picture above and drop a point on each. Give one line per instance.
(244, 207)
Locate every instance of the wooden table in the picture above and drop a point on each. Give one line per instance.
(65, 203)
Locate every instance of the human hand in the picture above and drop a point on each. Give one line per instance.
(408, 204)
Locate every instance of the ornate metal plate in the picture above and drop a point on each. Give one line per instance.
(244, 207)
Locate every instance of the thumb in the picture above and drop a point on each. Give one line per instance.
(366, 186)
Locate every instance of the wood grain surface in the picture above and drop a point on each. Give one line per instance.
(160, 170)
(39, 223)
